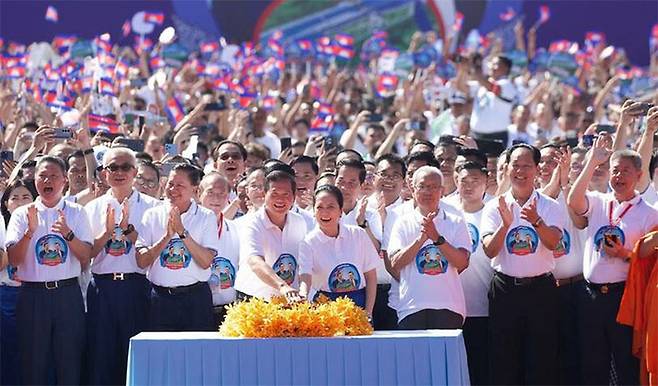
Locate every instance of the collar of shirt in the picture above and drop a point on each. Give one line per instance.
(419, 216)
(132, 199)
(41, 207)
(266, 219)
(509, 198)
(633, 201)
(323, 238)
(191, 211)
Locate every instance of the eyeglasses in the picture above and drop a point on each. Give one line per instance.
(123, 167)
(226, 156)
(150, 184)
(392, 177)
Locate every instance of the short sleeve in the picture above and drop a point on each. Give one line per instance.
(397, 240)
(145, 237)
(554, 214)
(370, 255)
(250, 242)
(83, 228)
(374, 223)
(306, 257)
(461, 238)
(16, 227)
(210, 238)
(490, 218)
(595, 202)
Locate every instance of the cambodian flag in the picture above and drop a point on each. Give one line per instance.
(121, 69)
(16, 48)
(64, 42)
(269, 102)
(321, 125)
(157, 62)
(593, 39)
(143, 45)
(15, 72)
(154, 17)
(653, 40)
(51, 14)
(561, 46)
(245, 100)
(102, 123)
(208, 47)
(459, 21)
(14, 60)
(544, 14)
(305, 45)
(344, 40)
(103, 44)
(105, 87)
(343, 52)
(507, 15)
(87, 83)
(325, 110)
(275, 47)
(174, 110)
(125, 28)
(386, 83)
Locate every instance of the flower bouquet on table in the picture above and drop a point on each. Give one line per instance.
(257, 318)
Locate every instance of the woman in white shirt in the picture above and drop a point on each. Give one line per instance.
(337, 260)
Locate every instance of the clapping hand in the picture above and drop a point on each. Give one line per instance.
(529, 212)
(125, 214)
(32, 218)
(428, 228)
(109, 219)
(505, 212)
(60, 226)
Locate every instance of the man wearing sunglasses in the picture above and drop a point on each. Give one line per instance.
(117, 298)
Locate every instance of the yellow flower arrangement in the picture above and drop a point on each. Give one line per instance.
(257, 318)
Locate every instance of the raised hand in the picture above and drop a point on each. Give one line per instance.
(361, 214)
(60, 226)
(32, 218)
(428, 228)
(125, 214)
(599, 153)
(175, 221)
(110, 221)
(505, 212)
(529, 212)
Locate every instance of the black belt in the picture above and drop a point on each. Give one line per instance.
(50, 285)
(604, 288)
(118, 276)
(523, 281)
(178, 290)
(569, 280)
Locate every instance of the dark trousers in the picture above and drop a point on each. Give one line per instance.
(383, 316)
(476, 339)
(186, 311)
(432, 319)
(51, 331)
(9, 348)
(502, 136)
(602, 337)
(569, 338)
(523, 331)
(116, 311)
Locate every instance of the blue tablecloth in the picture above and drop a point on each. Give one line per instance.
(436, 357)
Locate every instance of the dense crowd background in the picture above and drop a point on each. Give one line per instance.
(270, 133)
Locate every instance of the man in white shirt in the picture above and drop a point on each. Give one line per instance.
(119, 286)
(476, 279)
(230, 158)
(258, 118)
(429, 247)
(214, 193)
(350, 176)
(177, 244)
(493, 98)
(520, 230)
(269, 244)
(616, 221)
(48, 242)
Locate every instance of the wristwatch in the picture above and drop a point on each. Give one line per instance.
(440, 241)
(129, 229)
(364, 225)
(183, 235)
(69, 236)
(538, 222)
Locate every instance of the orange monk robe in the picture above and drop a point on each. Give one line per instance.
(639, 309)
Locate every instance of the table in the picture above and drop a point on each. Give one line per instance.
(388, 357)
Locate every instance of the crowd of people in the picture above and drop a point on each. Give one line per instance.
(500, 201)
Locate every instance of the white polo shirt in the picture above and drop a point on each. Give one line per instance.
(307, 215)
(118, 254)
(338, 264)
(48, 256)
(491, 114)
(383, 277)
(627, 225)
(430, 282)
(224, 266)
(650, 195)
(175, 266)
(8, 275)
(523, 254)
(280, 249)
(569, 253)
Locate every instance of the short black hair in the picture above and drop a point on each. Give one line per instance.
(144, 156)
(470, 165)
(75, 154)
(53, 160)
(352, 151)
(393, 159)
(425, 156)
(149, 164)
(376, 126)
(355, 164)
(506, 61)
(302, 121)
(193, 173)
(279, 166)
(243, 151)
(334, 191)
(304, 159)
(278, 175)
(423, 142)
(474, 155)
(536, 155)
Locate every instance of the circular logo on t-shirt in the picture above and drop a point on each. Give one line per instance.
(608, 234)
(521, 241)
(118, 244)
(175, 255)
(430, 261)
(344, 278)
(11, 272)
(475, 236)
(286, 268)
(51, 250)
(564, 245)
(222, 274)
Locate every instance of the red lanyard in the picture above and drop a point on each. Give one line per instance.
(221, 225)
(618, 220)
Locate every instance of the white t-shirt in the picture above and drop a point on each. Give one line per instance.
(523, 254)
(430, 282)
(650, 196)
(8, 274)
(383, 277)
(175, 265)
(569, 252)
(476, 279)
(491, 114)
(48, 256)
(307, 215)
(338, 263)
(118, 255)
(633, 224)
(224, 267)
(270, 141)
(280, 249)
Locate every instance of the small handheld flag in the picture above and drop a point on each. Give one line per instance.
(51, 14)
